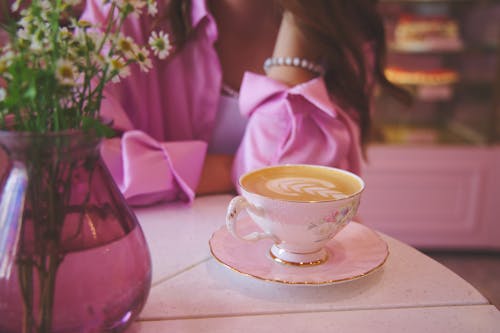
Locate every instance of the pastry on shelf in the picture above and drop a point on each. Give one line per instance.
(428, 77)
(426, 33)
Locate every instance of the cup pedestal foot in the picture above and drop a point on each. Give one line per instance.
(298, 259)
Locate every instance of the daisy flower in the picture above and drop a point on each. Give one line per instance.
(119, 68)
(131, 6)
(65, 34)
(83, 24)
(66, 72)
(15, 5)
(160, 44)
(127, 46)
(142, 58)
(45, 6)
(98, 60)
(39, 39)
(152, 7)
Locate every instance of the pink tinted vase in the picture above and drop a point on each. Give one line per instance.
(73, 257)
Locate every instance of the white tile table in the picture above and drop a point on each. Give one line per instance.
(192, 292)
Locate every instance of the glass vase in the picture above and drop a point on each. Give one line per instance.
(73, 257)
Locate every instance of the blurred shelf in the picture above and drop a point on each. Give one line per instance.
(455, 134)
(459, 51)
(461, 83)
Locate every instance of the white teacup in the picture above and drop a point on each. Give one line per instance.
(301, 207)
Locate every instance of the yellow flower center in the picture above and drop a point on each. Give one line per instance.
(66, 72)
(117, 64)
(125, 45)
(160, 44)
(84, 24)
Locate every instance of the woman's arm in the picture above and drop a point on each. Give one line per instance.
(291, 42)
(216, 175)
(292, 118)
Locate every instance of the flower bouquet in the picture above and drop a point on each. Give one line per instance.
(54, 73)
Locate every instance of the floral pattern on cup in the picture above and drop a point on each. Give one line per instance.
(333, 222)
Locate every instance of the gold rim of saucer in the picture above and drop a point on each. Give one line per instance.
(299, 264)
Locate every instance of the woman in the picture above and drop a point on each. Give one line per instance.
(210, 112)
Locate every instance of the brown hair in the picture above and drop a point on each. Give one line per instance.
(351, 34)
(178, 14)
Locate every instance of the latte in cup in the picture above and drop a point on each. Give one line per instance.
(300, 183)
(300, 207)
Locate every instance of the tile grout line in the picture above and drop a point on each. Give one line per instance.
(185, 269)
(248, 314)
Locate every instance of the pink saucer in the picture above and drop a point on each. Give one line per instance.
(354, 253)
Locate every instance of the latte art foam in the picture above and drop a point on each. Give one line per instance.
(301, 183)
(304, 187)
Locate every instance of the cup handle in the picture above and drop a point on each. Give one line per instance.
(234, 209)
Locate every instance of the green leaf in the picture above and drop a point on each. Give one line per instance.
(101, 129)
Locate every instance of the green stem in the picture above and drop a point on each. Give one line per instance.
(51, 259)
(48, 290)
(26, 283)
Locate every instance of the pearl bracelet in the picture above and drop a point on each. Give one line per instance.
(294, 62)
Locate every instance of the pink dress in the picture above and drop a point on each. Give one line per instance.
(167, 117)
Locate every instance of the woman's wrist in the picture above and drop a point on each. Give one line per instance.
(292, 44)
(294, 61)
